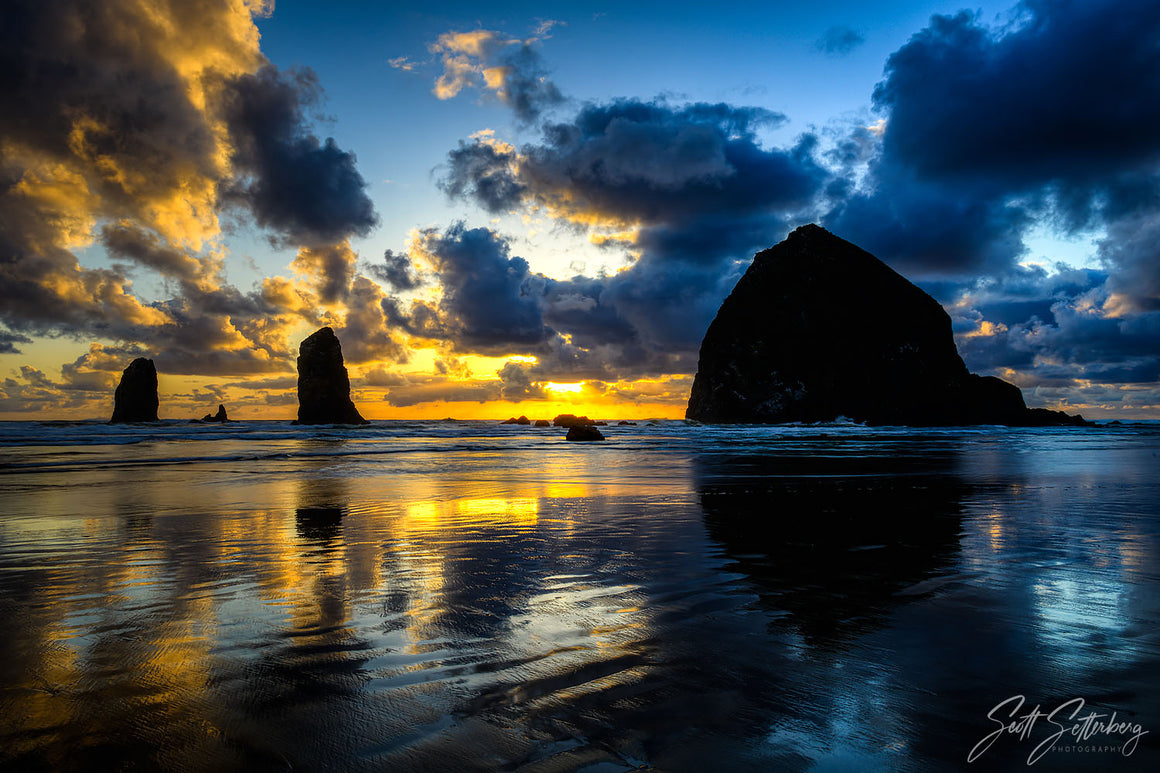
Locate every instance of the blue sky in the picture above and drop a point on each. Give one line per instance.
(515, 208)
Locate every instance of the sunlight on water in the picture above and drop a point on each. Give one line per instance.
(682, 597)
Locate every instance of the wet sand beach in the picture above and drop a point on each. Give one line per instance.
(476, 596)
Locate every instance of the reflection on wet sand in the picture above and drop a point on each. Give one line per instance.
(845, 603)
(833, 545)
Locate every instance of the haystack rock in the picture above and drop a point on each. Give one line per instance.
(818, 329)
(136, 395)
(323, 383)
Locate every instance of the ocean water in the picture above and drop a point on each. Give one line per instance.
(461, 596)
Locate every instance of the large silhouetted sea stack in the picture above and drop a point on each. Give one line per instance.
(818, 329)
(136, 395)
(323, 383)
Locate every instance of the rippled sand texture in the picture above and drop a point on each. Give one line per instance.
(473, 597)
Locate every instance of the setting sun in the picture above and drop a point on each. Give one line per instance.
(552, 386)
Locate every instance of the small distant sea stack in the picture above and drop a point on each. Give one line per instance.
(219, 416)
(570, 420)
(136, 396)
(323, 383)
(583, 433)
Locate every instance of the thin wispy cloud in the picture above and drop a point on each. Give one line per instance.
(839, 41)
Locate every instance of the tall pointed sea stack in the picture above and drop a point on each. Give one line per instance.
(323, 383)
(136, 395)
(818, 328)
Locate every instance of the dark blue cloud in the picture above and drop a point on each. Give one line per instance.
(396, 270)
(491, 301)
(483, 172)
(8, 342)
(642, 162)
(928, 229)
(1132, 249)
(1048, 119)
(526, 88)
(308, 191)
(650, 163)
(1070, 96)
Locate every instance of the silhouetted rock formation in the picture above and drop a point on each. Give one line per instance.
(572, 420)
(219, 416)
(323, 383)
(136, 395)
(543, 423)
(583, 432)
(523, 420)
(818, 328)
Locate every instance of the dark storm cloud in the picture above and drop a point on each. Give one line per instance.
(669, 304)
(8, 342)
(709, 241)
(990, 129)
(330, 268)
(44, 291)
(491, 301)
(84, 78)
(484, 171)
(839, 41)
(692, 181)
(930, 230)
(124, 240)
(525, 87)
(396, 270)
(651, 163)
(1132, 249)
(195, 342)
(644, 162)
(307, 190)
(580, 306)
(1070, 96)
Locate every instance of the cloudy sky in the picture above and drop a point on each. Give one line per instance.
(530, 208)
